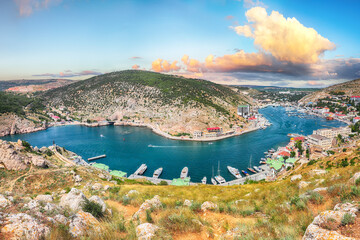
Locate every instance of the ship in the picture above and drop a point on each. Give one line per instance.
(245, 173)
(184, 173)
(257, 169)
(234, 172)
(157, 173)
(213, 181)
(218, 177)
(203, 181)
(251, 170)
(141, 169)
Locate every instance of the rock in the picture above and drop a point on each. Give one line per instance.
(303, 184)
(61, 219)
(32, 205)
(132, 192)
(49, 207)
(146, 231)
(335, 216)
(36, 149)
(153, 203)
(4, 202)
(231, 234)
(73, 200)
(314, 232)
(77, 178)
(187, 203)
(247, 195)
(38, 161)
(317, 172)
(295, 177)
(320, 189)
(208, 206)
(99, 201)
(23, 226)
(354, 178)
(97, 186)
(106, 187)
(83, 222)
(347, 207)
(44, 198)
(239, 201)
(43, 149)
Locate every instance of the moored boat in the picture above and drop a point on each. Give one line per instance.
(203, 181)
(235, 172)
(262, 162)
(251, 170)
(213, 181)
(257, 169)
(245, 173)
(220, 179)
(141, 169)
(157, 173)
(184, 172)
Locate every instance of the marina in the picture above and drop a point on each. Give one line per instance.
(97, 157)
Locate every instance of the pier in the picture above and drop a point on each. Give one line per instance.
(97, 157)
(155, 180)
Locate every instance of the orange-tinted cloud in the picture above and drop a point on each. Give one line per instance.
(135, 66)
(26, 7)
(192, 65)
(285, 38)
(160, 65)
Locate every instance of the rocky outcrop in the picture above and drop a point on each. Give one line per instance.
(13, 124)
(316, 230)
(154, 203)
(45, 198)
(354, 178)
(99, 201)
(303, 184)
(296, 177)
(208, 206)
(83, 222)
(146, 231)
(21, 225)
(187, 203)
(4, 202)
(74, 200)
(13, 159)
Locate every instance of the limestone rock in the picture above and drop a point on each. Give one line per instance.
(77, 178)
(354, 178)
(317, 172)
(32, 205)
(323, 217)
(21, 226)
(106, 187)
(347, 207)
(296, 177)
(4, 202)
(314, 232)
(44, 198)
(61, 219)
(73, 200)
(132, 192)
(146, 231)
(303, 184)
(99, 201)
(152, 203)
(83, 222)
(320, 189)
(208, 206)
(187, 203)
(97, 186)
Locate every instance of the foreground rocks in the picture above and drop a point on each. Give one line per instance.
(153, 203)
(74, 200)
(146, 231)
(208, 206)
(83, 222)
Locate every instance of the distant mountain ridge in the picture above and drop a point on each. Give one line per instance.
(176, 104)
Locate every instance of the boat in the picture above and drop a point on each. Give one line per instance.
(150, 145)
(257, 169)
(262, 162)
(234, 172)
(157, 173)
(251, 170)
(184, 172)
(245, 173)
(329, 118)
(213, 181)
(203, 181)
(263, 159)
(141, 169)
(218, 177)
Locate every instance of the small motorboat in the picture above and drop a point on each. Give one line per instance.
(251, 170)
(203, 181)
(213, 181)
(220, 179)
(184, 172)
(257, 169)
(245, 173)
(157, 173)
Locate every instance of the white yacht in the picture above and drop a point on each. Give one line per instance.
(157, 173)
(141, 169)
(213, 181)
(220, 179)
(234, 172)
(184, 172)
(257, 169)
(203, 181)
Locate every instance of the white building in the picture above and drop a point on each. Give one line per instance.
(243, 111)
(319, 141)
(333, 132)
(197, 134)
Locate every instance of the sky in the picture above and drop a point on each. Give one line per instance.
(298, 43)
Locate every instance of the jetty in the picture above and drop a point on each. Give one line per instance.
(97, 157)
(155, 180)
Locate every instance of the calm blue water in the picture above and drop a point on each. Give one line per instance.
(127, 147)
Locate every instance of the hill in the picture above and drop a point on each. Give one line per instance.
(43, 197)
(349, 88)
(25, 86)
(175, 104)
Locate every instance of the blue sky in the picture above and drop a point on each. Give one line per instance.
(77, 38)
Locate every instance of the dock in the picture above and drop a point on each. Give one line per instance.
(155, 180)
(97, 157)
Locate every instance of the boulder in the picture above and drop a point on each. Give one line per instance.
(44, 198)
(49, 207)
(74, 200)
(82, 222)
(23, 226)
(208, 206)
(99, 201)
(106, 187)
(320, 189)
(324, 217)
(354, 178)
(4, 203)
(77, 178)
(146, 231)
(32, 205)
(187, 203)
(347, 207)
(303, 184)
(61, 219)
(132, 192)
(38, 161)
(296, 177)
(314, 232)
(97, 186)
(317, 172)
(154, 203)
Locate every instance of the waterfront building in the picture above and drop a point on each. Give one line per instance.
(319, 141)
(333, 132)
(356, 119)
(356, 99)
(197, 134)
(243, 111)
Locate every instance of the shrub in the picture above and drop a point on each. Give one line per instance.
(316, 198)
(180, 223)
(94, 208)
(195, 207)
(148, 216)
(114, 190)
(26, 145)
(311, 162)
(163, 183)
(355, 191)
(67, 189)
(125, 200)
(347, 219)
(298, 202)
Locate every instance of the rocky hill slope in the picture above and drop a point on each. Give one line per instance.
(176, 104)
(318, 200)
(349, 88)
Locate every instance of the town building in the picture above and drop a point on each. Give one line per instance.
(356, 119)
(243, 111)
(333, 132)
(319, 141)
(197, 134)
(356, 99)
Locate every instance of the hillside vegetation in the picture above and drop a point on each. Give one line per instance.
(176, 103)
(349, 88)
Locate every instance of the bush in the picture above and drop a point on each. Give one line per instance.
(148, 216)
(311, 162)
(357, 181)
(125, 200)
(195, 207)
(355, 191)
(114, 190)
(26, 145)
(347, 219)
(180, 223)
(94, 208)
(298, 202)
(163, 183)
(315, 198)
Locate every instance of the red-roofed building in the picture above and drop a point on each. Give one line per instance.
(356, 119)
(214, 129)
(252, 118)
(299, 139)
(356, 99)
(284, 154)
